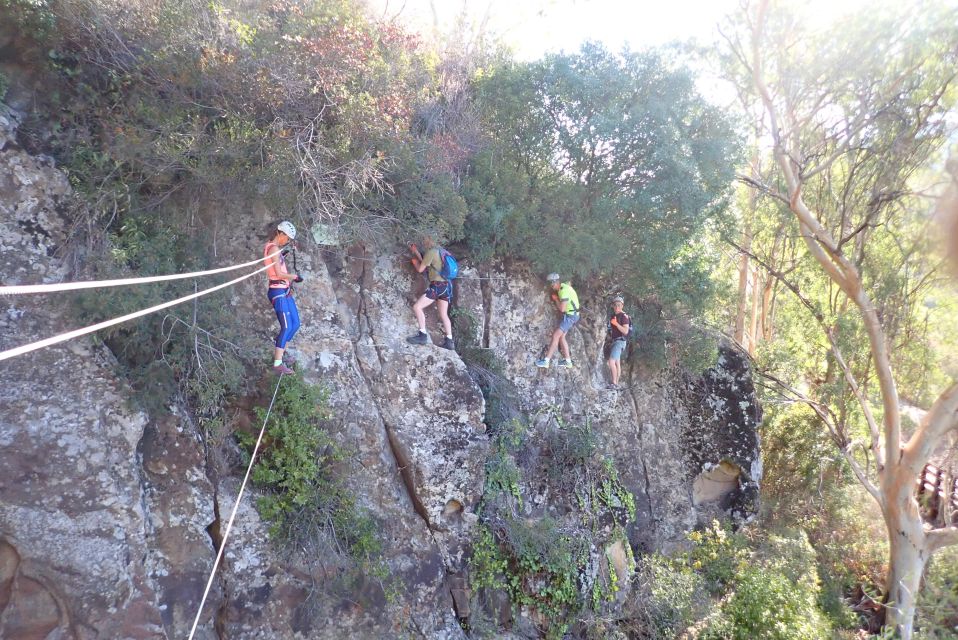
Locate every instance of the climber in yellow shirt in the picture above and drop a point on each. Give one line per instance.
(567, 302)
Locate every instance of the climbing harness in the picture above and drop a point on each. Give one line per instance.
(239, 497)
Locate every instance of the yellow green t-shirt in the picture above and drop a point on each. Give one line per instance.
(434, 260)
(568, 294)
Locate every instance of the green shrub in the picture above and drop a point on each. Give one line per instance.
(197, 350)
(676, 596)
(536, 565)
(937, 615)
(541, 563)
(309, 508)
(544, 571)
(766, 604)
(718, 554)
(34, 17)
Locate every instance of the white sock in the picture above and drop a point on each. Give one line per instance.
(276, 363)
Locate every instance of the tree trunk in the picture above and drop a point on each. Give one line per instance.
(743, 274)
(766, 321)
(753, 333)
(744, 270)
(907, 559)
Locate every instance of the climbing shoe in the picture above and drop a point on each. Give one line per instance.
(282, 370)
(542, 363)
(419, 338)
(448, 344)
(565, 363)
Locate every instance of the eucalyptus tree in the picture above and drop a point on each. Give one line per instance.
(852, 115)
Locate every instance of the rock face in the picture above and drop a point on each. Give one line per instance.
(108, 516)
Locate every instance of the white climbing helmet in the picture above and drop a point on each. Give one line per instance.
(618, 299)
(287, 227)
(553, 277)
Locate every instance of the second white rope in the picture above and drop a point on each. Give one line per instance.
(229, 524)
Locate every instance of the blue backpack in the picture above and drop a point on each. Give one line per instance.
(450, 267)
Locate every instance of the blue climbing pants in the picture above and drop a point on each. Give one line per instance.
(286, 313)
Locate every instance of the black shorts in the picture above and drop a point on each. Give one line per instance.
(440, 291)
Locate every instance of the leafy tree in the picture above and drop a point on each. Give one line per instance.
(601, 165)
(853, 114)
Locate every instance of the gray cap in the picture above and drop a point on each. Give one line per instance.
(553, 277)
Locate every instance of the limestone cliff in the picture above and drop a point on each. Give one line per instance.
(108, 516)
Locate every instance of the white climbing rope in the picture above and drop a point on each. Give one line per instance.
(16, 351)
(229, 525)
(19, 289)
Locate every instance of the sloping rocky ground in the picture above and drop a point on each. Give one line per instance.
(107, 515)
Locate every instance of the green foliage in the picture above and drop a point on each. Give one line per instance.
(502, 473)
(773, 592)
(765, 603)
(808, 485)
(937, 617)
(576, 468)
(33, 17)
(675, 597)
(300, 468)
(193, 350)
(226, 101)
(718, 554)
(600, 160)
(297, 450)
(543, 563)
(537, 565)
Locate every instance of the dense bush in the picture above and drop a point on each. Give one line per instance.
(599, 160)
(196, 352)
(545, 564)
(766, 604)
(807, 485)
(311, 512)
(937, 617)
(674, 596)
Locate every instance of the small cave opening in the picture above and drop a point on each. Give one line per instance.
(717, 485)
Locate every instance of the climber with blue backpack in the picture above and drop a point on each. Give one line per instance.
(620, 328)
(442, 270)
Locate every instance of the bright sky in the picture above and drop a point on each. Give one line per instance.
(535, 27)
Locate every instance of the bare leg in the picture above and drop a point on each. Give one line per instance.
(443, 306)
(556, 337)
(564, 346)
(278, 354)
(611, 364)
(418, 309)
